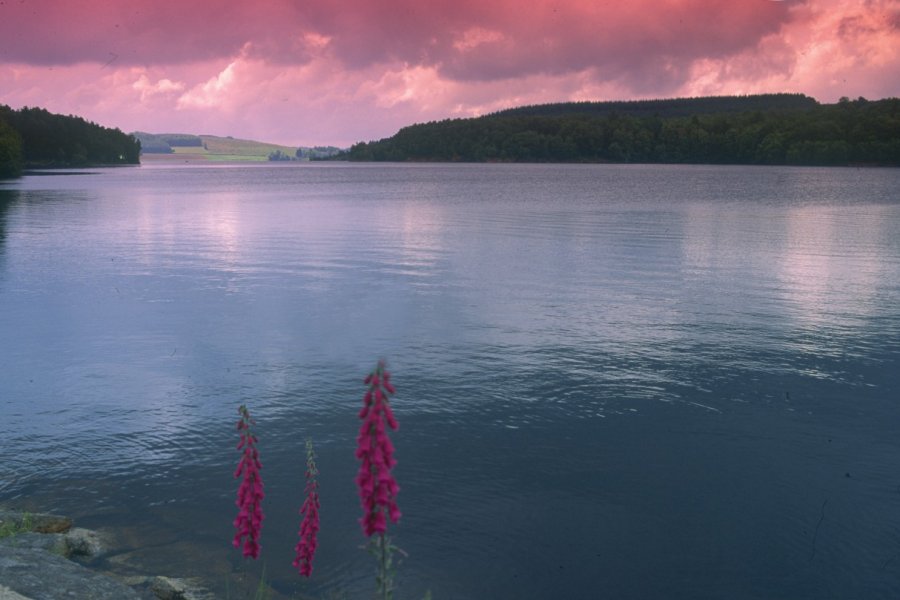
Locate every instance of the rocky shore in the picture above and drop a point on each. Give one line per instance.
(44, 557)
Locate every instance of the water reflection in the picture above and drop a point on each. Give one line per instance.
(173, 232)
(829, 268)
(422, 230)
(8, 199)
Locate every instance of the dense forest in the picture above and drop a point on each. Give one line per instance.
(34, 138)
(789, 129)
(10, 151)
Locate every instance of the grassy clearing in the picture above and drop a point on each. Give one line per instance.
(220, 149)
(189, 148)
(223, 149)
(227, 146)
(201, 155)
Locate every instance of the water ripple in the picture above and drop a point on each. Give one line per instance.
(602, 371)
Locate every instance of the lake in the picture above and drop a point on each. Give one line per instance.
(612, 381)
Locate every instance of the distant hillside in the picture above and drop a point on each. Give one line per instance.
(162, 143)
(189, 147)
(670, 107)
(34, 138)
(767, 129)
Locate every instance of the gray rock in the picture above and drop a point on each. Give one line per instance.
(84, 543)
(54, 543)
(8, 594)
(135, 581)
(169, 588)
(77, 543)
(40, 575)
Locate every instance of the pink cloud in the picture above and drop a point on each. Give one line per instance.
(545, 36)
(348, 70)
(829, 50)
(144, 32)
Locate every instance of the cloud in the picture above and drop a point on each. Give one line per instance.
(474, 37)
(827, 50)
(213, 93)
(462, 39)
(149, 89)
(347, 70)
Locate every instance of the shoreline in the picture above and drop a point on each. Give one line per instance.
(45, 556)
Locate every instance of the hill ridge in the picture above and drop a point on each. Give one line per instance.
(786, 129)
(667, 107)
(206, 147)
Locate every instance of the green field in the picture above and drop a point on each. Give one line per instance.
(241, 149)
(221, 149)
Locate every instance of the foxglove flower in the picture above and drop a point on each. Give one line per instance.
(377, 487)
(250, 493)
(309, 526)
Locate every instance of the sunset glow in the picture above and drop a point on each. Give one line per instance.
(337, 72)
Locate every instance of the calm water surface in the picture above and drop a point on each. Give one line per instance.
(613, 381)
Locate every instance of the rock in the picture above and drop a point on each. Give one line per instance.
(40, 575)
(48, 542)
(44, 523)
(37, 522)
(169, 588)
(8, 594)
(77, 543)
(135, 581)
(84, 543)
(35, 566)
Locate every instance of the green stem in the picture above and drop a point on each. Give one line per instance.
(384, 575)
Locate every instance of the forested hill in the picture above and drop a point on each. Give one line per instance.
(787, 129)
(669, 107)
(34, 137)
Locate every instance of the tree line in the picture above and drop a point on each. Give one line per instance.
(302, 153)
(164, 143)
(36, 138)
(666, 107)
(777, 129)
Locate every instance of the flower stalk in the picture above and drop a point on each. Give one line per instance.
(377, 487)
(250, 492)
(309, 526)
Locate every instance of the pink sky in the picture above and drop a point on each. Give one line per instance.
(317, 72)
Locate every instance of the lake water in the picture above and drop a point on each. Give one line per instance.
(612, 381)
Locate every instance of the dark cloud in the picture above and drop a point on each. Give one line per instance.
(140, 32)
(853, 26)
(467, 40)
(633, 40)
